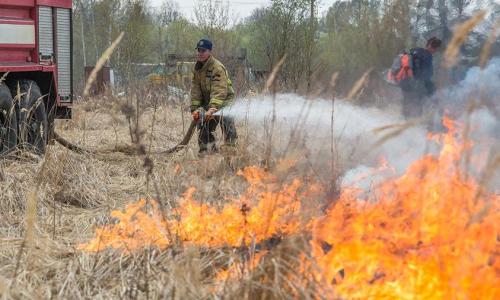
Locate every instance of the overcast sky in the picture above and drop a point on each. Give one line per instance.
(239, 8)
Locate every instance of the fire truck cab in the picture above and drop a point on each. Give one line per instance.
(35, 70)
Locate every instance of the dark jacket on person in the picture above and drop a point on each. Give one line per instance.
(423, 68)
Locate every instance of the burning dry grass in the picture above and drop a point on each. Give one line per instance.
(267, 209)
(214, 234)
(415, 235)
(430, 233)
(77, 192)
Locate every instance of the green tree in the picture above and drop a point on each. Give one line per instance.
(285, 28)
(137, 46)
(163, 18)
(213, 22)
(181, 37)
(363, 34)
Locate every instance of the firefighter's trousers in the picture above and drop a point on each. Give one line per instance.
(206, 129)
(416, 96)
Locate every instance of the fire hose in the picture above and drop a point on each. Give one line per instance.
(75, 148)
(126, 150)
(184, 142)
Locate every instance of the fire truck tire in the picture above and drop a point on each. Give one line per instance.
(8, 121)
(32, 117)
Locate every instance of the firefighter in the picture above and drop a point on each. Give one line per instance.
(211, 90)
(416, 91)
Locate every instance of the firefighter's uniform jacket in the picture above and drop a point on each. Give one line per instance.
(211, 86)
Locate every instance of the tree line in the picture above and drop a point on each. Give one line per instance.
(352, 36)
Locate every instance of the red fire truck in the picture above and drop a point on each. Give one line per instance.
(35, 70)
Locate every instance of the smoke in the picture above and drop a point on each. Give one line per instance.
(477, 85)
(306, 125)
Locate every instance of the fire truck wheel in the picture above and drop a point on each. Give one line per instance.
(32, 117)
(8, 120)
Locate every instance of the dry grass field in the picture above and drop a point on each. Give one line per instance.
(51, 204)
(233, 225)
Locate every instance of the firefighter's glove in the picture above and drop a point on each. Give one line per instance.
(196, 115)
(209, 113)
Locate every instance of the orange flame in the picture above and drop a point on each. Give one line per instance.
(432, 233)
(264, 210)
(429, 233)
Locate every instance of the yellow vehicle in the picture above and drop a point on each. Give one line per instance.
(179, 74)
